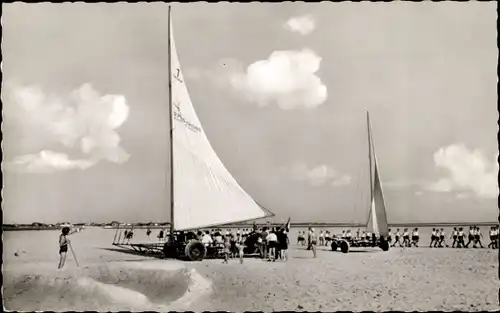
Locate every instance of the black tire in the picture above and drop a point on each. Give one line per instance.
(344, 246)
(334, 246)
(195, 250)
(384, 244)
(169, 250)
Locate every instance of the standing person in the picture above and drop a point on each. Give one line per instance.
(309, 238)
(471, 236)
(455, 237)
(406, 238)
(461, 238)
(357, 233)
(321, 238)
(414, 238)
(272, 241)
(314, 241)
(283, 242)
(389, 236)
(396, 238)
(265, 247)
(477, 237)
(148, 232)
(64, 242)
(492, 238)
(328, 238)
(442, 238)
(207, 239)
(227, 249)
(433, 238)
(160, 235)
(240, 244)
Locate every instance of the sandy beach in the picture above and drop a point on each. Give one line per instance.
(365, 279)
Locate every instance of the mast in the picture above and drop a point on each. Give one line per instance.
(171, 149)
(370, 156)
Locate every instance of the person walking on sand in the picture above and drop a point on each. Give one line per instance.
(314, 241)
(442, 238)
(240, 244)
(477, 237)
(433, 237)
(471, 236)
(406, 238)
(461, 238)
(389, 236)
(396, 238)
(454, 236)
(321, 238)
(414, 238)
(64, 242)
(493, 240)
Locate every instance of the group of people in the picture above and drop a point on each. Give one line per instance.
(270, 243)
(406, 238)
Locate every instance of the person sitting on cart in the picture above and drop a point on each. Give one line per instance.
(207, 239)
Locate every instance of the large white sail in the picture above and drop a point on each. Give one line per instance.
(205, 193)
(377, 219)
(377, 222)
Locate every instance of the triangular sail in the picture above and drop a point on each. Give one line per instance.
(205, 194)
(377, 220)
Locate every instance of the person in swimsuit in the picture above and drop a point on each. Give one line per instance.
(314, 241)
(64, 242)
(321, 238)
(471, 236)
(455, 237)
(396, 238)
(477, 237)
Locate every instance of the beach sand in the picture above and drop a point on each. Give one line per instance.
(365, 279)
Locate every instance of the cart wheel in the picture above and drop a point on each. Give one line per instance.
(344, 246)
(334, 246)
(169, 250)
(196, 250)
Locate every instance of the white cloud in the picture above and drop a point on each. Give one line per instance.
(303, 25)
(467, 170)
(286, 78)
(83, 119)
(318, 175)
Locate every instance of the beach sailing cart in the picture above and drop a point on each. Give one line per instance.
(203, 194)
(377, 219)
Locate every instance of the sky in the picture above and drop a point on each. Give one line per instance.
(282, 92)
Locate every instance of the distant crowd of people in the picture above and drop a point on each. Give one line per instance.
(439, 238)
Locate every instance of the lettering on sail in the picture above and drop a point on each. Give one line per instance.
(177, 76)
(178, 117)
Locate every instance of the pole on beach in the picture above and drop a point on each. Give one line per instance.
(74, 255)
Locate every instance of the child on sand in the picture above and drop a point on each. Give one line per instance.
(314, 241)
(64, 242)
(227, 248)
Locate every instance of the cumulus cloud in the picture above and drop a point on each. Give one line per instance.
(466, 171)
(318, 175)
(303, 25)
(83, 121)
(286, 78)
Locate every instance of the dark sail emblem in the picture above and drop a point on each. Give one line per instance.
(178, 117)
